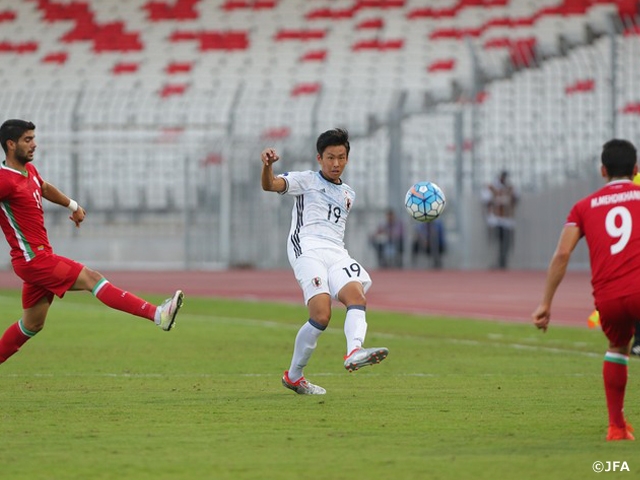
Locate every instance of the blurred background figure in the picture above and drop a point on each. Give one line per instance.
(429, 239)
(388, 241)
(500, 199)
(635, 348)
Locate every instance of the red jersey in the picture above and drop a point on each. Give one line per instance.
(21, 215)
(609, 219)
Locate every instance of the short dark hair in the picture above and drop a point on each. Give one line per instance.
(13, 130)
(619, 157)
(330, 138)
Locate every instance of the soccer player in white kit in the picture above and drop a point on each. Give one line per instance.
(320, 261)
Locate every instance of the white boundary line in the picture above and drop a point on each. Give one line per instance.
(272, 324)
(249, 375)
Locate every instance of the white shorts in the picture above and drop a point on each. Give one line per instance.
(327, 270)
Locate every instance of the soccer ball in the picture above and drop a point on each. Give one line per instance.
(425, 201)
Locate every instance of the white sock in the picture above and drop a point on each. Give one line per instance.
(305, 344)
(355, 327)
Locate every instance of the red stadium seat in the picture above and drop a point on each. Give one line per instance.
(314, 56)
(178, 10)
(523, 52)
(208, 40)
(276, 133)
(18, 47)
(7, 16)
(442, 65)
(329, 13)
(170, 90)
(178, 67)
(632, 108)
(302, 35)
(231, 5)
(224, 41)
(305, 89)
(378, 44)
(580, 86)
(124, 68)
(370, 24)
(112, 37)
(59, 58)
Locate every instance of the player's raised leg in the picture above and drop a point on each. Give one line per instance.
(165, 316)
(355, 329)
(118, 299)
(20, 332)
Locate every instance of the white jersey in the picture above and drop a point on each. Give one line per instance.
(319, 214)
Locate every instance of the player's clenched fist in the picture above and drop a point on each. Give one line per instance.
(269, 156)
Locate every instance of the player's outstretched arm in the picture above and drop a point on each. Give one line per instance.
(54, 195)
(555, 273)
(271, 183)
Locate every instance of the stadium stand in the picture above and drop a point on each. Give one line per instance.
(163, 82)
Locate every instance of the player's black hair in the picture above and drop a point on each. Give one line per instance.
(330, 138)
(13, 130)
(619, 157)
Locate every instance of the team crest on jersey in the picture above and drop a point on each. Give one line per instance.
(317, 282)
(347, 201)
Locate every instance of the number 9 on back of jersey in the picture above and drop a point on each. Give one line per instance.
(425, 201)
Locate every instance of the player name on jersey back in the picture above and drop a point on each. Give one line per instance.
(613, 198)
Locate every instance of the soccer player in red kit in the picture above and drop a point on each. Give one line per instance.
(609, 219)
(44, 273)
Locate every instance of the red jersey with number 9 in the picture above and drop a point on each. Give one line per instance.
(609, 219)
(21, 214)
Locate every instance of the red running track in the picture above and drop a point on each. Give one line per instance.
(503, 295)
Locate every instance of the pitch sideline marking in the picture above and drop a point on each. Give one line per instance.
(457, 341)
(333, 330)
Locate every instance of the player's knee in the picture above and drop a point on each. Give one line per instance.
(34, 326)
(95, 275)
(360, 299)
(87, 279)
(37, 327)
(353, 294)
(322, 318)
(92, 277)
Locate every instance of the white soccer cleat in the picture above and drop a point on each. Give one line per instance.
(302, 386)
(361, 357)
(169, 310)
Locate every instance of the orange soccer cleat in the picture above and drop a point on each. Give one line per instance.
(620, 433)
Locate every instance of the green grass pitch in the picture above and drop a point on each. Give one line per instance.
(102, 395)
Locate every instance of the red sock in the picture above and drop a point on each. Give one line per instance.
(114, 297)
(14, 337)
(614, 372)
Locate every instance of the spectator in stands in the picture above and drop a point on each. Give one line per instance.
(500, 199)
(429, 239)
(44, 273)
(388, 241)
(635, 348)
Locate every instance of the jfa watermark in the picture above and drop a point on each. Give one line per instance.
(610, 466)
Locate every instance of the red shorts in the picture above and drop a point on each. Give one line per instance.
(47, 274)
(618, 318)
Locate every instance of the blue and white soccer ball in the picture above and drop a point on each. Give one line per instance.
(425, 201)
